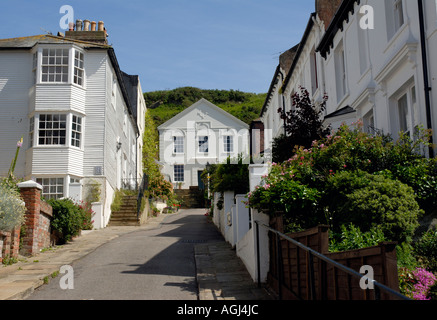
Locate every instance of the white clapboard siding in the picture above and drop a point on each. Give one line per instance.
(15, 83)
(95, 68)
(61, 97)
(60, 160)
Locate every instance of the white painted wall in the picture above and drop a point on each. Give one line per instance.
(201, 119)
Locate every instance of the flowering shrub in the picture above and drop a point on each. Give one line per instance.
(87, 215)
(417, 284)
(341, 179)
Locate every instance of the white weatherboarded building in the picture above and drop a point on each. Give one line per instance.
(202, 134)
(81, 117)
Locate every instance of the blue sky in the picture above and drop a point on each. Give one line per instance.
(209, 44)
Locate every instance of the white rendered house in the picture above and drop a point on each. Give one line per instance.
(374, 60)
(81, 117)
(200, 135)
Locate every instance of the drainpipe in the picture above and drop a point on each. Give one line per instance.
(425, 72)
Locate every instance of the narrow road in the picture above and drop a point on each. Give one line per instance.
(145, 265)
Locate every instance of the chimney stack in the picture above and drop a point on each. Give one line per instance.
(89, 31)
(326, 10)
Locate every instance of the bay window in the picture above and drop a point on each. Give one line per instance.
(53, 130)
(78, 67)
(76, 131)
(56, 66)
(53, 188)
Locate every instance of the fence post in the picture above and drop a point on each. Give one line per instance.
(279, 264)
(258, 262)
(311, 285)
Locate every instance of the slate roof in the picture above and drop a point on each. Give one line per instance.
(23, 43)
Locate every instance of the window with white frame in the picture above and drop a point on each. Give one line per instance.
(369, 123)
(179, 175)
(228, 144)
(78, 68)
(398, 14)
(54, 66)
(76, 131)
(203, 144)
(404, 114)
(340, 67)
(394, 16)
(53, 188)
(52, 129)
(314, 72)
(178, 145)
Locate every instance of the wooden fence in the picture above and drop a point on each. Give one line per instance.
(291, 277)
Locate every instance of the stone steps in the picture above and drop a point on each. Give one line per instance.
(126, 215)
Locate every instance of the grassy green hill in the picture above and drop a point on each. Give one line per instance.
(164, 105)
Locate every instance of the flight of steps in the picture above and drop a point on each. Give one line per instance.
(127, 215)
(192, 198)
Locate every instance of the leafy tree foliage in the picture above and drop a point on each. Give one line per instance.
(303, 125)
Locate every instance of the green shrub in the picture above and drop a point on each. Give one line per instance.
(368, 200)
(406, 257)
(426, 249)
(67, 219)
(352, 238)
(12, 208)
(298, 202)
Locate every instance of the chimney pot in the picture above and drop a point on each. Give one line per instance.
(93, 26)
(79, 25)
(86, 25)
(101, 26)
(71, 26)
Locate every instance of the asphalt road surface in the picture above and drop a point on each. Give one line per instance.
(145, 265)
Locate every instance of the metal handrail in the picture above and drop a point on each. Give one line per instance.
(378, 286)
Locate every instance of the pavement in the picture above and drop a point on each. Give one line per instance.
(220, 273)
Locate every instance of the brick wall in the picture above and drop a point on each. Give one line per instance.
(326, 10)
(38, 217)
(9, 243)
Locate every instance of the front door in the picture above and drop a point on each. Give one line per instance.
(200, 181)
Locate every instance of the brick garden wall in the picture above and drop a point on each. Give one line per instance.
(37, 233)
(38, 217)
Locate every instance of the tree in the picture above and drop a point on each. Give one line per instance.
(303, 125)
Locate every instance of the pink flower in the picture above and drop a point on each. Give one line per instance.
(20, 143)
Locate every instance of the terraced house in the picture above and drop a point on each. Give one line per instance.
(81, 117)
(372, 58)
